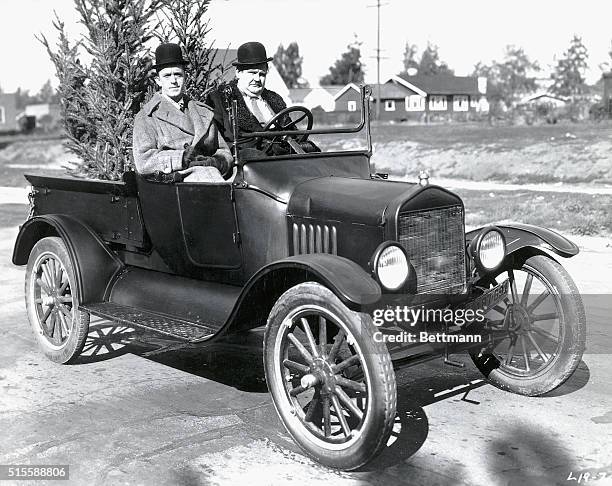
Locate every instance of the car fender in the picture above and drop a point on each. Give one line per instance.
(346, 279)
(519, 236)
(94, 263)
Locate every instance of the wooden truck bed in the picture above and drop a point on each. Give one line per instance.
(110, 208)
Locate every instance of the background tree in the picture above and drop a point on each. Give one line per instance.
(568, 76)
(510, 79)
(99, 99)
(185, 22)
(430, 63)
(288, 62)
(347, 69)
(410, 58)
(47, 94)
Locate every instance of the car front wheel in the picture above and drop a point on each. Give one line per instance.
(52, 301)
(540, 329)
(332, 383)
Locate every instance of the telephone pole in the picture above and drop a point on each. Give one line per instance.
(378, 56)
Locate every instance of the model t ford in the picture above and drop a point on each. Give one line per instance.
(341, 266)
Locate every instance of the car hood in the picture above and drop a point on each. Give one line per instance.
(362, 201)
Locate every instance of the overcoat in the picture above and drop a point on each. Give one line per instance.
(162, 133)
(219, 99)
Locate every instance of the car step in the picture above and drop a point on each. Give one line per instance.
(152, 321)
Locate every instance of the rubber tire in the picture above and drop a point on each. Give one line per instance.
(73, 346)
(383, 387)
(573, 319)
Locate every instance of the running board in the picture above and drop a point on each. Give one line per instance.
(152, 321)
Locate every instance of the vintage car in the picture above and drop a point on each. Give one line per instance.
(342, 266)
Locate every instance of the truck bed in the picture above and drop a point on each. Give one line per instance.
(110, 208)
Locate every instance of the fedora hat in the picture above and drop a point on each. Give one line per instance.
(250, 54)
(168, 54)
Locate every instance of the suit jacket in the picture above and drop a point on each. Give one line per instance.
(162, 133)
(247, 122)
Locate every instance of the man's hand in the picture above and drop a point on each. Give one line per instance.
(189, 155)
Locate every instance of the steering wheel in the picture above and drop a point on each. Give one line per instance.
(276, 124)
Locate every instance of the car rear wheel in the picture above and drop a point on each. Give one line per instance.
(332, 384)
(540, 329)
(59, 326)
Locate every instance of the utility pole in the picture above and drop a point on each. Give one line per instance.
(378, 56)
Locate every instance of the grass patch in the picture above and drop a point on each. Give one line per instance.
(579, 214)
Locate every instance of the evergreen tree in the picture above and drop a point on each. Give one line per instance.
(99, 100)
(430, 63)
(347, 69)
(409, 61)
(288, 62)
(47, 93)
(568, 76)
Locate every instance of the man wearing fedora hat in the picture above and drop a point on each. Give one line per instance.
(256, 104)
(175, 138)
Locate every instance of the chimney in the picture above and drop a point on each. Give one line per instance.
(482, 85)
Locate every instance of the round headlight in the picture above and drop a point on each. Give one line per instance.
(492, 250)
(392, 267)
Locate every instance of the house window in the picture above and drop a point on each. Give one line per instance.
(352, 106)
(460, 103)
(474, 102)
(437, 103)
(415, 103)
(2, 118)
(389, 105)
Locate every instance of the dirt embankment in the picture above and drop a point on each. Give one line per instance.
(551, 161)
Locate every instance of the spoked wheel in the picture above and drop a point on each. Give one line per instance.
(540, 330)
(52, 301)
(332, 384)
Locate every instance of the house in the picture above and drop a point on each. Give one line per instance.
(8, 112)
(46, 115)
(420, 97)
(320, 96)
(274, 81)
(547, 99)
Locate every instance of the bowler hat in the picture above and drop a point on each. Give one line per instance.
(251, 53)
(168, 54)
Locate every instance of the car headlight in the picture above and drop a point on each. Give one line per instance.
(488, 249)
(390, 266)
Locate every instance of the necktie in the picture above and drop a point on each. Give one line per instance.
(256, 111)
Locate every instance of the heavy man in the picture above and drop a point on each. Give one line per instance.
(175, 138)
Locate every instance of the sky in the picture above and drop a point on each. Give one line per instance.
(466, 32)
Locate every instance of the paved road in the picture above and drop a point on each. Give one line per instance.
(137, 412)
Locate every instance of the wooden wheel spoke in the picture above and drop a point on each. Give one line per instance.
(537, 348)
(499, 310)
(345, 364)
(326, 417)
(538, 300)
(322, 334)
(65, 311)
(294, 366)
(64, 287)
(510, 352)
(67, 299)
(297, 390)
(43, 285)
(350, 384)
(526, 290)
(525, 355)
(46, 315)
(312, 407)
(545, 334)
(300, 347)
(64, 325)
(513, 290)
(337, 343)
(340, 414)
(46, 276)
(346, 400)
(545, 317)
(309, 336)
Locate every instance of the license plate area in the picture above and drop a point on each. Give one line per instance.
(490, 298)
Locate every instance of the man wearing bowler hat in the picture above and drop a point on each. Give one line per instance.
(256, 104)
(175, 138)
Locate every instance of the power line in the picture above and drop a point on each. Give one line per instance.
(378, 57)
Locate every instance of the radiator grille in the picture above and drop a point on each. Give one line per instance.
(314, 238)
(435, 242)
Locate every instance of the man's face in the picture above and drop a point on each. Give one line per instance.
(171, 80)
(252, 79)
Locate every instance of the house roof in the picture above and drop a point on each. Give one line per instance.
(443, 84)
(392, 91)
(297, 95)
